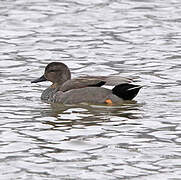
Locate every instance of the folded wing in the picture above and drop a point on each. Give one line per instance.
(94, 81)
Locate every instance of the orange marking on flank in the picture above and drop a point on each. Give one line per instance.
(108, 101)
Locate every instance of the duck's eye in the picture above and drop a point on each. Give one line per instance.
(53, 70)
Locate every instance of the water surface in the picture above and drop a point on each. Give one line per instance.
(134, 38)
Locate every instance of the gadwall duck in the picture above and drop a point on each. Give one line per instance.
(84, 89)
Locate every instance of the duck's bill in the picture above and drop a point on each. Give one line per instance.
(41, 79)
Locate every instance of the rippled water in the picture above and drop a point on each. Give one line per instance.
(135, 38)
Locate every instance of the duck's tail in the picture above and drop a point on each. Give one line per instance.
(126, 91)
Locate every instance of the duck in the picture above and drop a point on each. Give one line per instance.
(84, 89)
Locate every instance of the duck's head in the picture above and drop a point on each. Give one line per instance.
(56, 72)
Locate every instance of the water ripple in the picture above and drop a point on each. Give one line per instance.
(134, 38)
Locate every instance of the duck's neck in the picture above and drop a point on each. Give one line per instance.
(48, 94)
(55, 85)
(62, 79)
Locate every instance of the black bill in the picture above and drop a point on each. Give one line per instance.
(41, 79)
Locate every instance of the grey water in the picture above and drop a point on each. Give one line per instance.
(139, 140)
